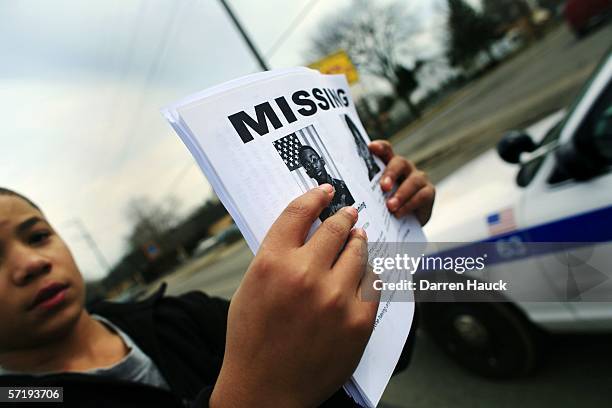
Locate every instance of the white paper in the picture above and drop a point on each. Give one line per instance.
(256, 178)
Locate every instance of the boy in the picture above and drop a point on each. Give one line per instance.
(287, 340)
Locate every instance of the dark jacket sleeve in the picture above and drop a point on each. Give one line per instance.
(208, 315)
(203, 398)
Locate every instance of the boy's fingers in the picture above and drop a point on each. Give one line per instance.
(291, 227)
(367, 296)
(382, 149)
(407, 190)
(421, 204)
(331, 236)
(351, 265)
(397, 168)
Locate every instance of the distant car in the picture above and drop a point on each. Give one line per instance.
(205, 245)
(227, 236)
(509, 44)
(582, 15)
(562, 193)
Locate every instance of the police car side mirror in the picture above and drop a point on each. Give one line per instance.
(512, 144)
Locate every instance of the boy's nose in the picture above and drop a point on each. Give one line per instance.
(29, 267)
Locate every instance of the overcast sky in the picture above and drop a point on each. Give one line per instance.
(81, 85)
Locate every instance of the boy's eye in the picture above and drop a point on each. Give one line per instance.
(38, 237)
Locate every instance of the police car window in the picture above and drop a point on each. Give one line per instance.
(592, 141)
(594, 137)
(603, 133)
(530, 169)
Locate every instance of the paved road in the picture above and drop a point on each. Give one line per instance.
(575, 373)
(536, 82)
(542, 79)
(218, 274)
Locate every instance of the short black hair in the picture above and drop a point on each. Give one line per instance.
(9, 192)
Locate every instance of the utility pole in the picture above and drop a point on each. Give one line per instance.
(91, 243)
(245, 36)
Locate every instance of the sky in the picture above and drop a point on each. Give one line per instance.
(81, 87)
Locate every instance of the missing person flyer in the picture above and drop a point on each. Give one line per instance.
(266, 139)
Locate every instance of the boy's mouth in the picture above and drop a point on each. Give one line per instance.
(50, 296)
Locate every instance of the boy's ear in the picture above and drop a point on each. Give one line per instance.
(323, 161)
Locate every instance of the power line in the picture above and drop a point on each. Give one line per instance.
(91, 242)
(153, 70)
(179, 177)
(295, 23)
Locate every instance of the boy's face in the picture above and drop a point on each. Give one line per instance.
(41, 289)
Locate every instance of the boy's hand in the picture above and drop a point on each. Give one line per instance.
(297, 327)
(414, 194)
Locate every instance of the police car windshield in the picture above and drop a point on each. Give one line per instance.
(529, 169)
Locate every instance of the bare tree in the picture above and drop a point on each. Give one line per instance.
(377, 39)
(151, 221)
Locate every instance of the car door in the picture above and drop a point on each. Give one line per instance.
(578, 212)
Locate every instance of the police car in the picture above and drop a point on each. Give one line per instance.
(554, 184)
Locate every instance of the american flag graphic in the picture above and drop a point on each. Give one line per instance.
(288, 147)
(501, 222)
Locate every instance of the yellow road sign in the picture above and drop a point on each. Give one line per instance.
(337, 63)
